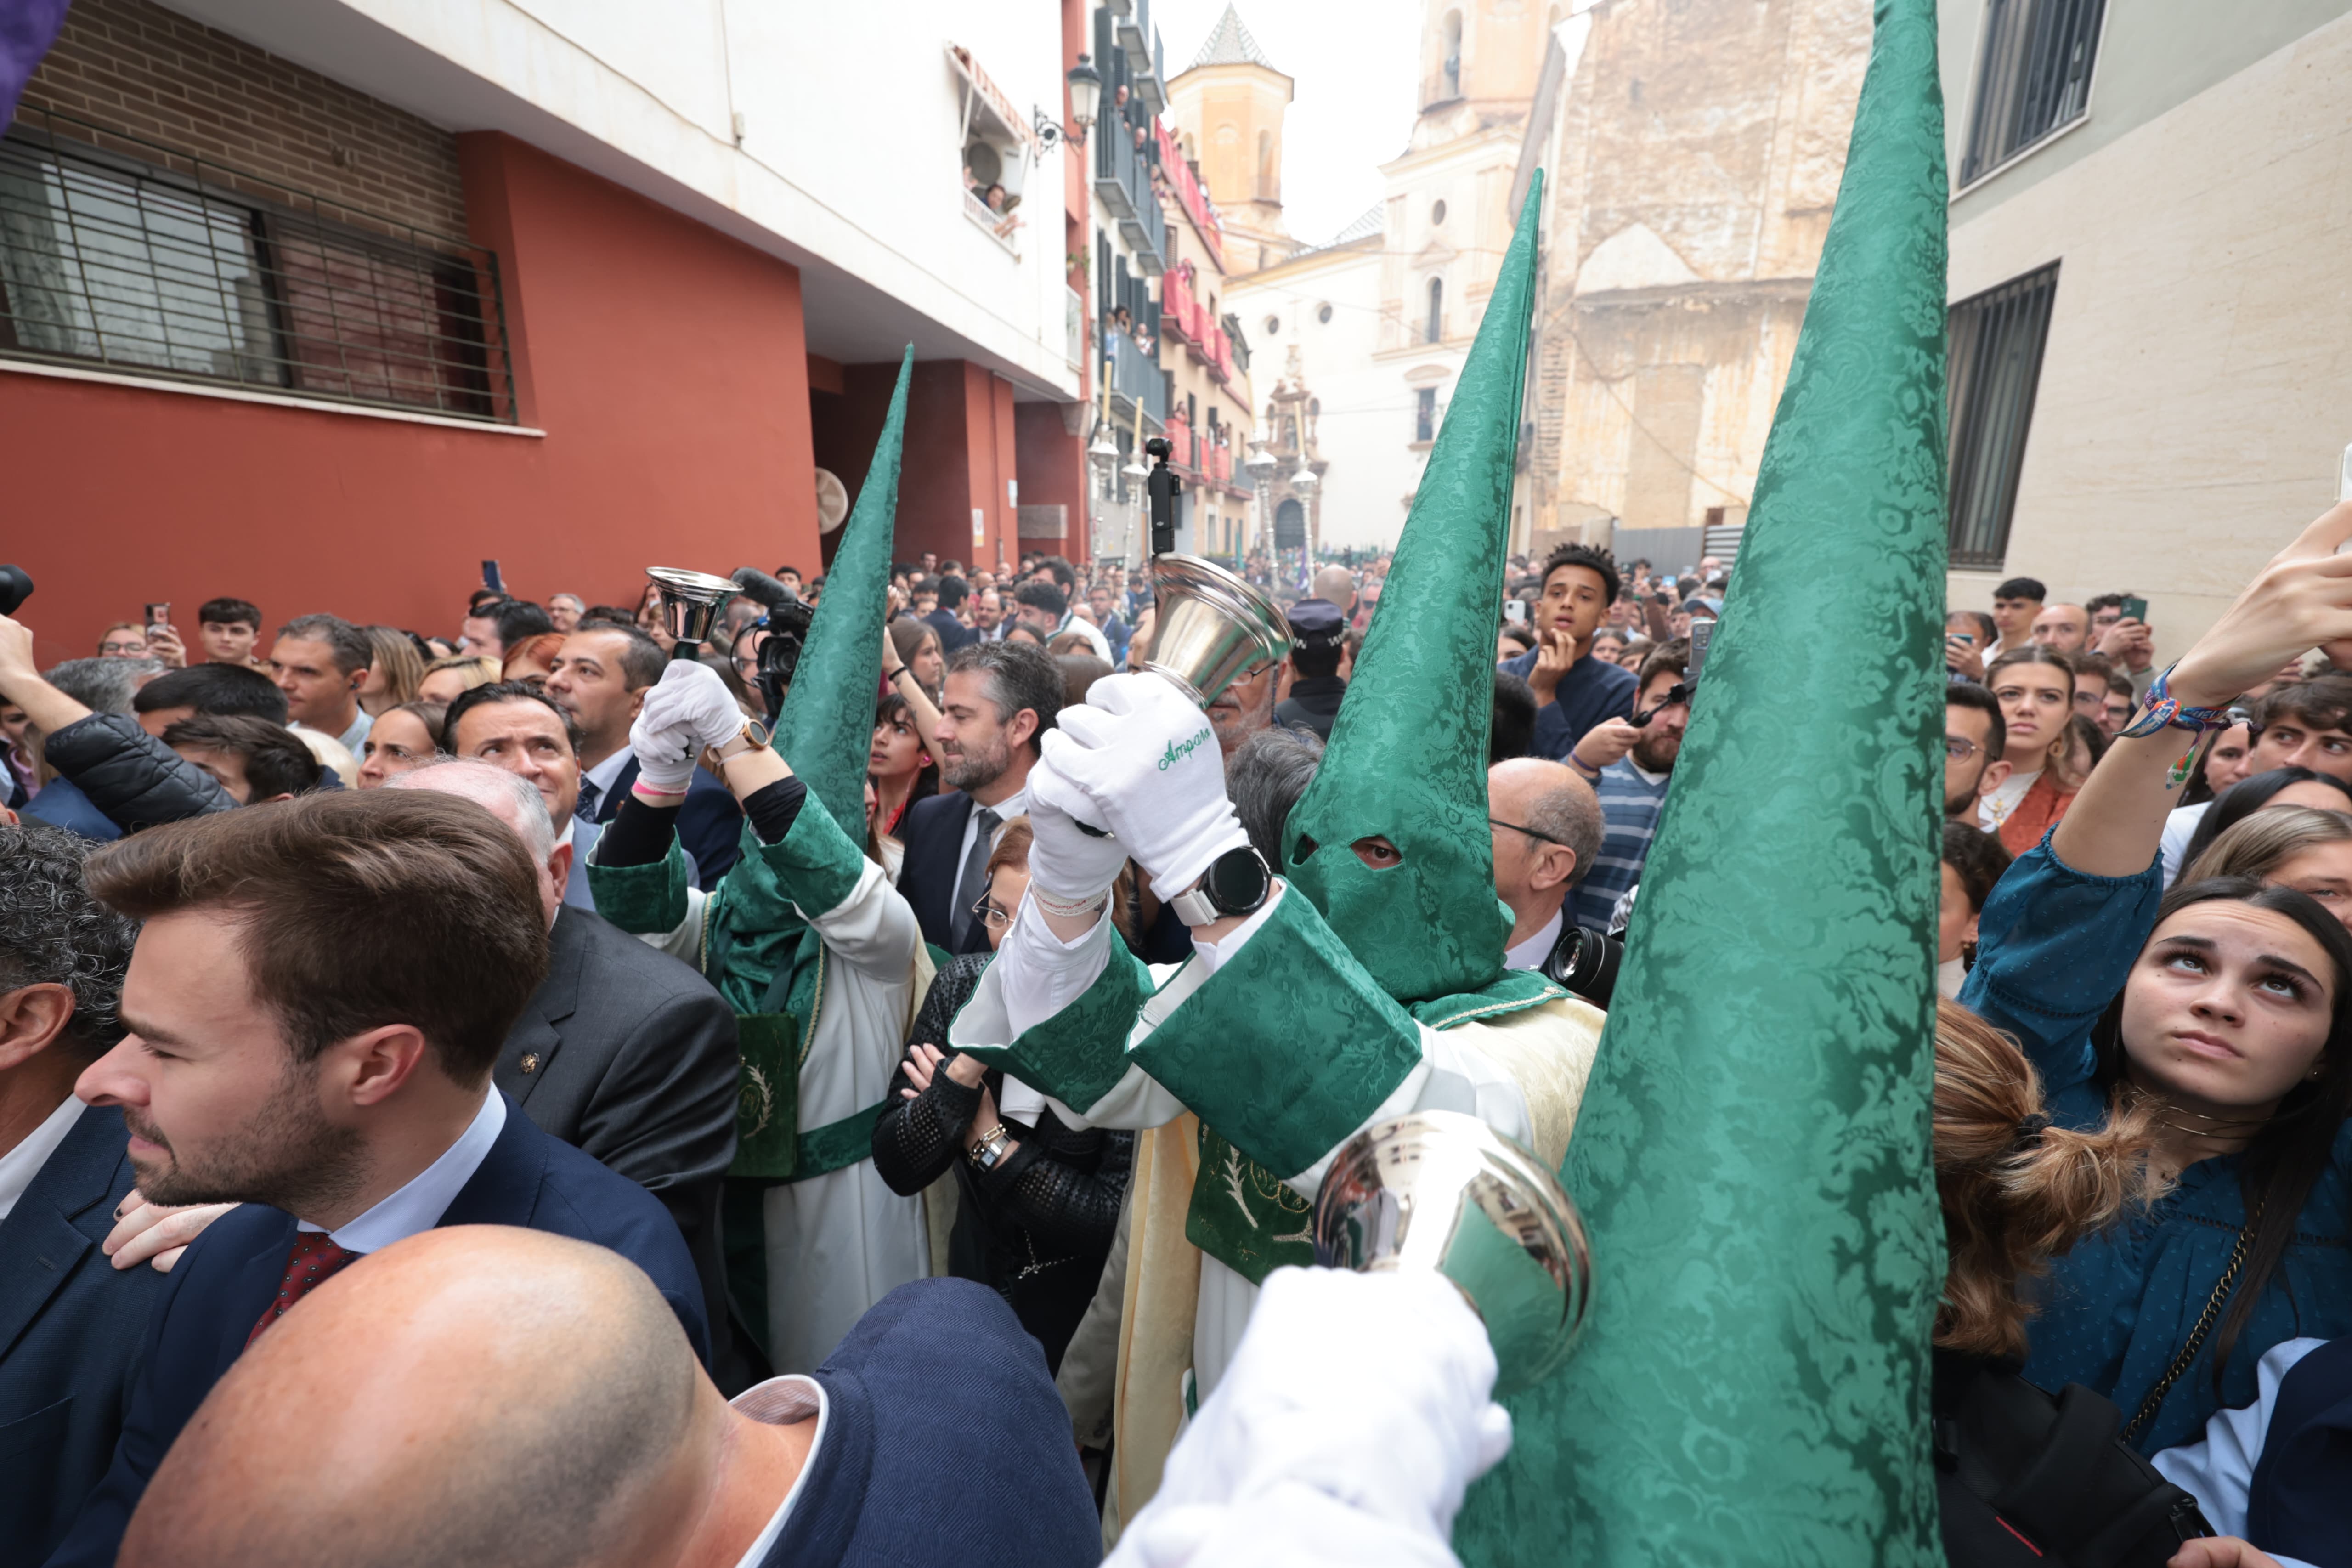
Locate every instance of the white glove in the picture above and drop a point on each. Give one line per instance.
(1066, 863)
(1356, 1414)
(668, 733)
(1138, 759)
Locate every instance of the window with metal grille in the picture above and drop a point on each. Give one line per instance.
(1996, 360)
(2034, 77)
(122, 253)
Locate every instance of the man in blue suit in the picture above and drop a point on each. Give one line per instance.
(1000, 698)
(318, 993)
(441, 1421)
(69, 1324)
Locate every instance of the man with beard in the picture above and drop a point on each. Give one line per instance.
(312, 1012)
(1973, 739)
(1630, 762)
(1000, 698)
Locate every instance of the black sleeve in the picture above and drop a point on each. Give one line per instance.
(1064, 1187)
(917, 1140)
(135, 779)
(640, 834)
(774, 807)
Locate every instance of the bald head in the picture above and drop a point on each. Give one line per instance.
(509, 797)
(1553, 839)
(1338, 584)
(473, 1395)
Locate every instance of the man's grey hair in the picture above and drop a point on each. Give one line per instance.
(482, 782)
(52, 932)
(1019, 677)
(1264, 779)
(1570, 814)
(103, 684)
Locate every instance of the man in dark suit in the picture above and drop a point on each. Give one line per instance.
(441, 1424)
(953, 633)
(600, 679)
(1000, 698)
(69, 1324)
(317, 996)
(622, 1052)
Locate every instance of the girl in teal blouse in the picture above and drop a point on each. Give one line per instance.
(2229, 1006)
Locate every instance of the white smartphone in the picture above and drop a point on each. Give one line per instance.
(1515, 610)
(2344, 479)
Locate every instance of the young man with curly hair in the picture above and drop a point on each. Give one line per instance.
(1574, 690)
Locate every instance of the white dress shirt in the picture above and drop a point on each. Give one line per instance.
(2219, 1471)
(419, 1206)
(604, 774)
(19, 1165)
(783, 1402)
(1530, 953)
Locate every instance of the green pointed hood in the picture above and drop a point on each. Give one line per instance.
(1407, 758)
(826, 731)
(1753, 1153)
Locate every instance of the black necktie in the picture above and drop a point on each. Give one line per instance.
(971, 886)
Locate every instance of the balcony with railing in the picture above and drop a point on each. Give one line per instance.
(1220, 350)
(1123, 184)
(1188, 195)
(1135, 376)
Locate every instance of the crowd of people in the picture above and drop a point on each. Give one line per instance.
(327, 939)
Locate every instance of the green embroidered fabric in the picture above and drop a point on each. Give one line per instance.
(1079, 1054)
(1752, 1156)
(1245, 1217)
(1288, 1047)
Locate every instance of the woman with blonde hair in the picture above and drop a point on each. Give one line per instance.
(394, 672)
(2287, 846)
(446, 680)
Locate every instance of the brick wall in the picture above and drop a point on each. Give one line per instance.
(136, 68)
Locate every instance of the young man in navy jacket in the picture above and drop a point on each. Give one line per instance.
(313, 1010)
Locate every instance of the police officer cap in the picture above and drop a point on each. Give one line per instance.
(1317, 623)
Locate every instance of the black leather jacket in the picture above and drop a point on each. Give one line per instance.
(134, 778)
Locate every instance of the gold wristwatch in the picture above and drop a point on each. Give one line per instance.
(752, 736)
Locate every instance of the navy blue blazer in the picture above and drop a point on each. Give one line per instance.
(952, 633)
(932, 831)
(709, 824)
(2299, 1501)
(228, 1276)
(944, 1442)
(70, 1327)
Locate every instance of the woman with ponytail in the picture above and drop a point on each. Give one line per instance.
(2226, 1007)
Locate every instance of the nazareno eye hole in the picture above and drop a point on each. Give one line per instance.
(1303, 851)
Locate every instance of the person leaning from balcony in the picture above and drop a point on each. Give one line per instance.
(1038, 1202)
(1574, 690)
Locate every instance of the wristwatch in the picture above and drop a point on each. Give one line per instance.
(991, 1147)
(752, 736)
(1236, 883)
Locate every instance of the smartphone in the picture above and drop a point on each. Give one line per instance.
(1516, 612)
(2344, 479)
(1701, 633)
(490, 578)
(2135, 609)
(159, 615)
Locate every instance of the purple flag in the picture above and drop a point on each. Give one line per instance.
(28, 28)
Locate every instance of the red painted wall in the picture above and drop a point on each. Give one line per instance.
(666, 362)
(1052, 473)
(960, 453)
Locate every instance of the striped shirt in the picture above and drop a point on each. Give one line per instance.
(1630, 800)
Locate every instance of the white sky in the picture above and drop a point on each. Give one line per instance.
(1354, 64)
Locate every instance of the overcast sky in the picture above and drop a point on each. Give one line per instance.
(1352, 108)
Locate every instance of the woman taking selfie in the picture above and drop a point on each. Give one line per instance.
(2035, 689)
(2226, 1007)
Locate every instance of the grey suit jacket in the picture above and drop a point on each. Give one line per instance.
(629, 1056)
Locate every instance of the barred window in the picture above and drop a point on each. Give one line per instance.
(1996, 363)
(125, 254)
(2034, 77)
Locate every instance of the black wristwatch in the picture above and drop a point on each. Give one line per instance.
(1236, 883)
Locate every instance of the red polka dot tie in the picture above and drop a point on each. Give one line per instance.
(313, 1260)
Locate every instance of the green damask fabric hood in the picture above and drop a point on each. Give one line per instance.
(826, 730)
(1407, 758)
(1753, 1155)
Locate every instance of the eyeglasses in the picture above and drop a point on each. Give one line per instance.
(990, 914)
(1516, 827)
(1959, 748)
(105, 648)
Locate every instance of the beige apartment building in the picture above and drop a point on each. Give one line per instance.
(2151, 277)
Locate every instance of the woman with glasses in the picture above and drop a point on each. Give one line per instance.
(400, 739)
(1038, 1202)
